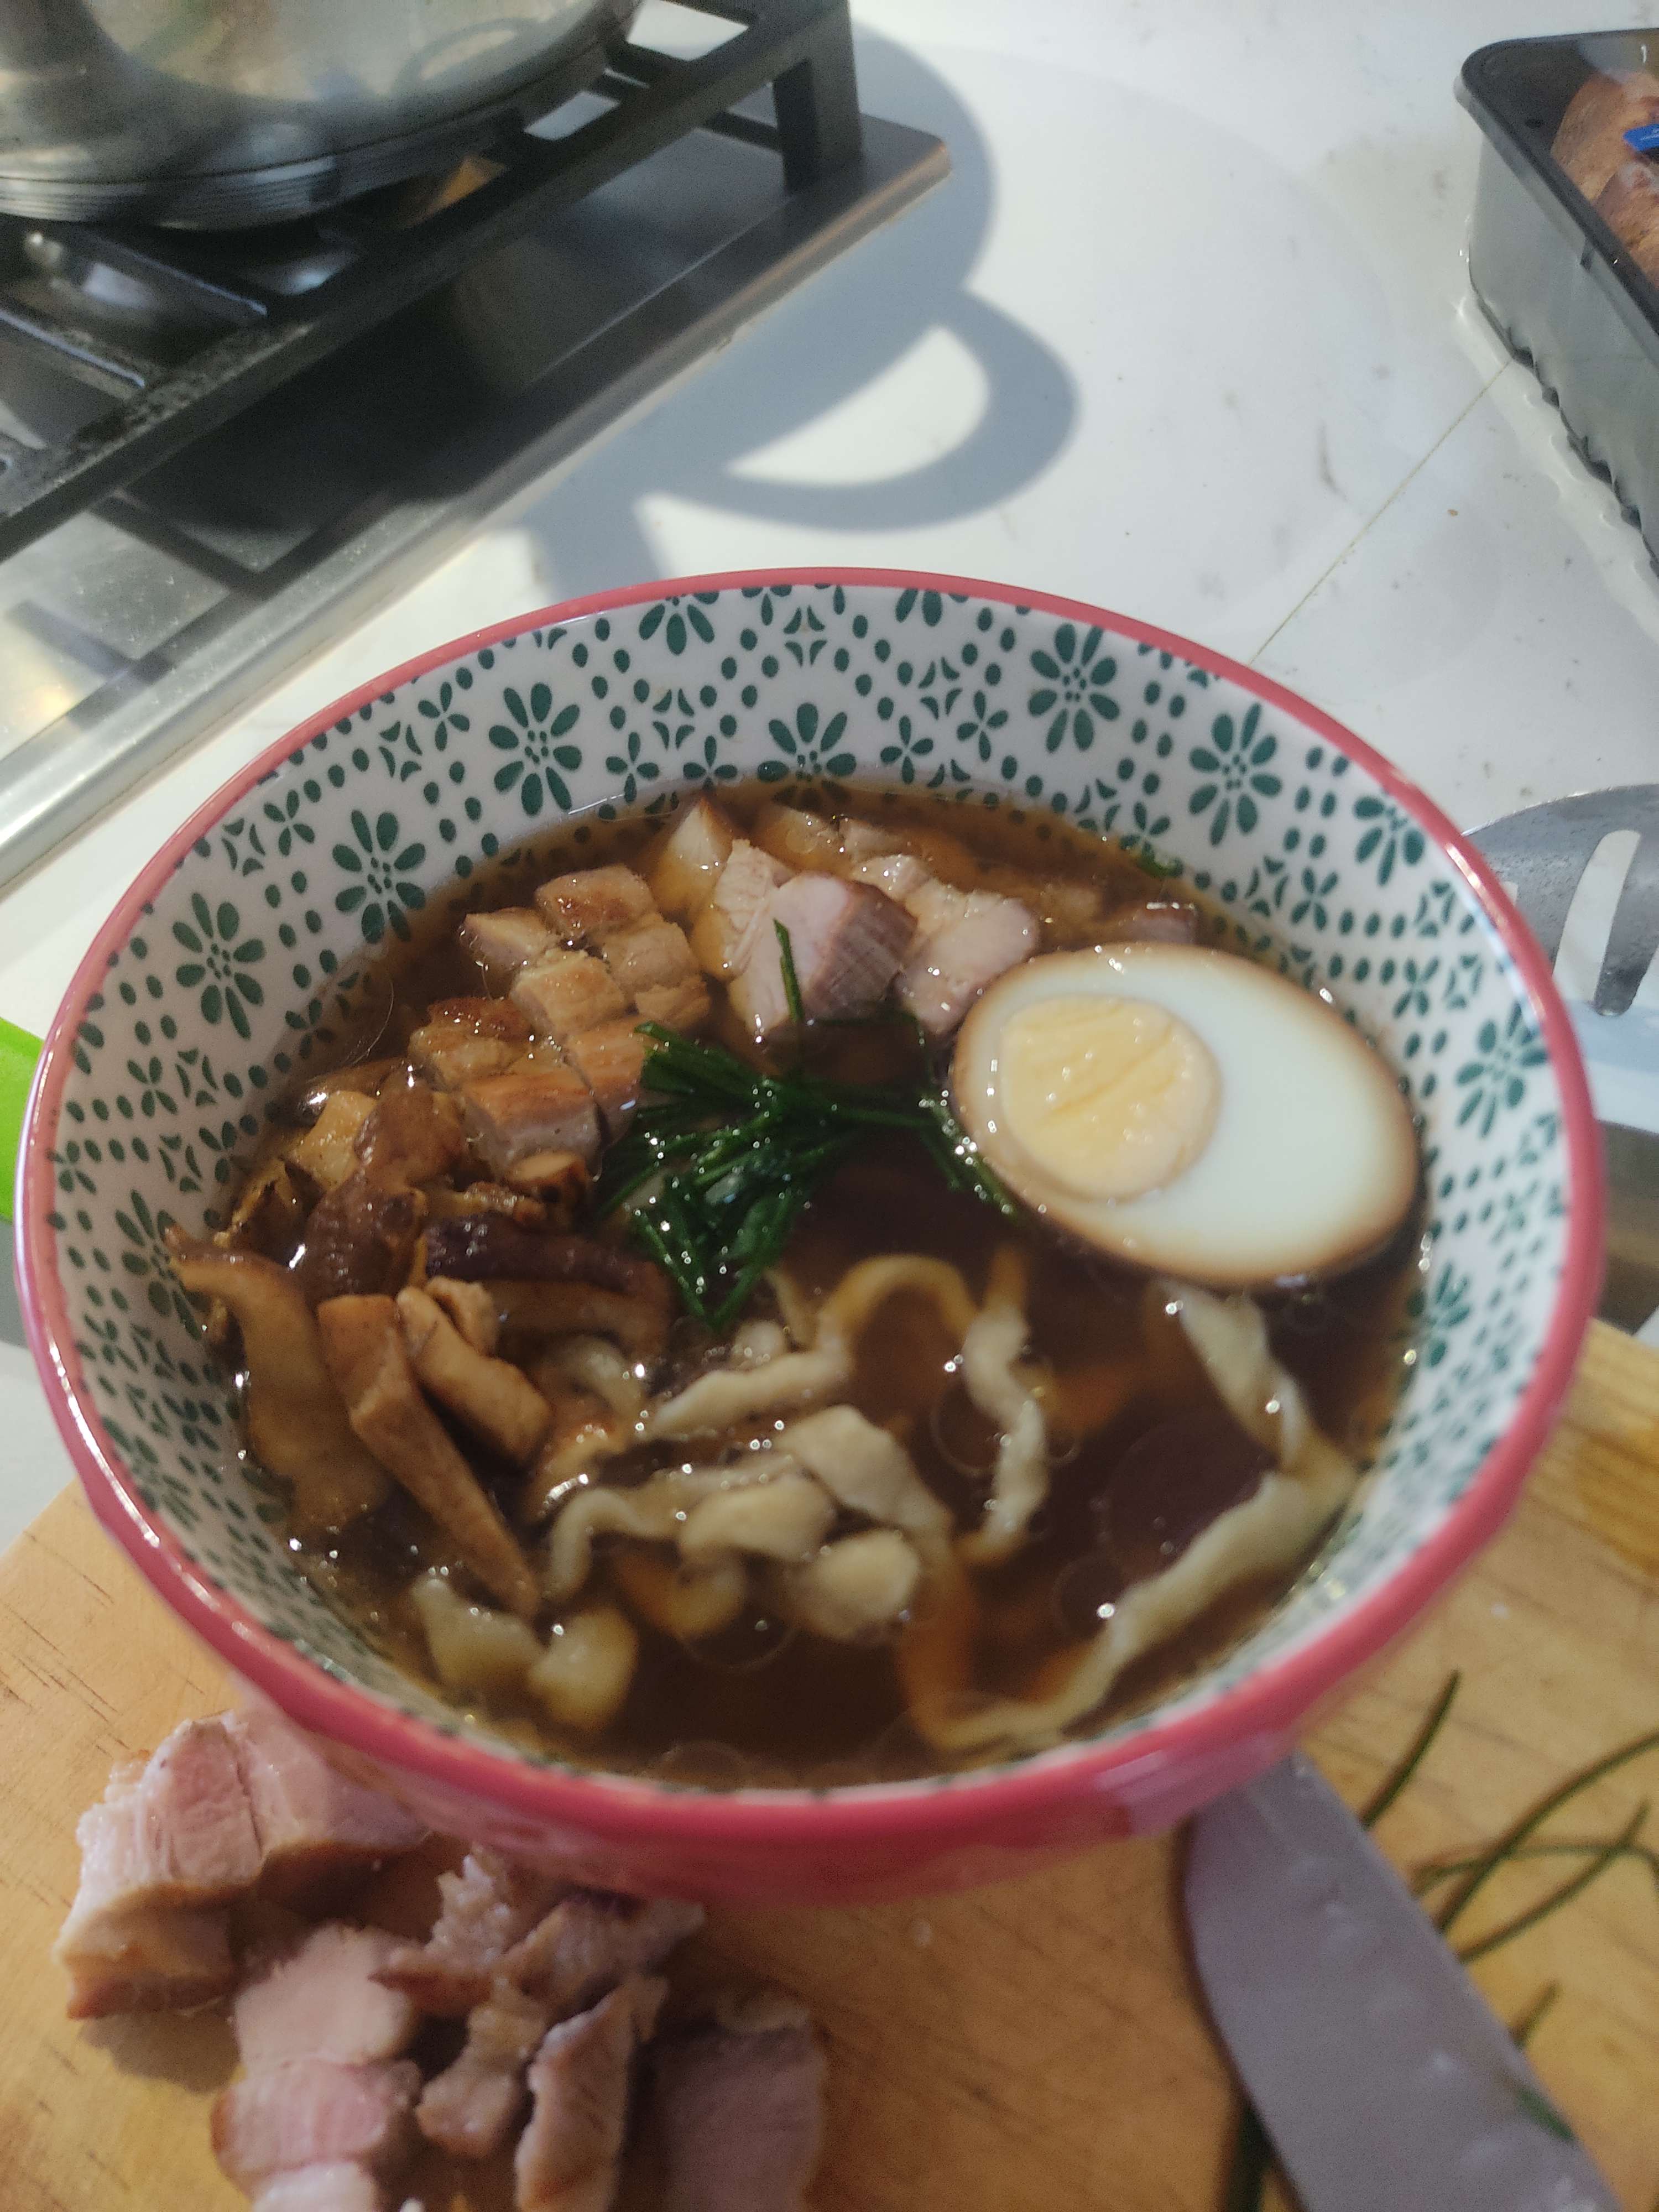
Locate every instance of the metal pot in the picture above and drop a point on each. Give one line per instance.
(221, 112)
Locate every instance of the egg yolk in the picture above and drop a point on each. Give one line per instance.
(1112, 1098)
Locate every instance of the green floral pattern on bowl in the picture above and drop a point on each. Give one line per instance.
(254, 948)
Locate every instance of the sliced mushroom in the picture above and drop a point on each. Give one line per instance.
(270, 1215)
(495, 1399)
(852, 1590)
(363, 1345)
(471, 1308)
(413, 1135)
(473, 1647)
(489, 1246)
(297, 1424)
(360, 1239)
(515, 1205)
(584, 1675)
(639, 1324)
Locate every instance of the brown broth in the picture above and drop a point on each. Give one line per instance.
(767, 1703)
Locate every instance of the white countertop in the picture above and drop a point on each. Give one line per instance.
(1188, 334)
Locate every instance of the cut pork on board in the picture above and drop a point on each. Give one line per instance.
(592, 1940)
(314, 2111)
(314, 1824)
(173, 1839)
(485, 1909)
(740, 2100)
(580, 2081)
(470, 2107)
(318, 1998)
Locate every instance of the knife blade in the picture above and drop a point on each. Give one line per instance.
(1384, 2078)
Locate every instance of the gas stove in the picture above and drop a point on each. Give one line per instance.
(217, 448)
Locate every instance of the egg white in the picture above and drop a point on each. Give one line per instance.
(1311, 1164)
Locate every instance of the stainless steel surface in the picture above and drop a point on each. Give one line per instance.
(128, 632)
(1542, 853)
(1630, 1295)
(1385, 2082)
(240, 111)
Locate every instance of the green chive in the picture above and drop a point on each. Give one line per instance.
(1417, 1752)
(792, 997)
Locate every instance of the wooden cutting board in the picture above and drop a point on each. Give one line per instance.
(1033, 2048)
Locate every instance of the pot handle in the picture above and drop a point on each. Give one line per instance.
(18, 1052)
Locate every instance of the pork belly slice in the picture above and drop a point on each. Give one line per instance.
(741, 2104)
(461, 1039)
(487, 1908)
(900, 875)
(591, 904)
(968, 939)
(580, 2083)
(725, 932)
(339, 2187)
(173, 1837)
(609, 1058)
(1152, 922)
(318, 1997)
(314, 1823)
(653, 954)
(684, 1006)
(846, 940)
(546, 1107)
(314, 2111)
(566, 994)
(594, 1939)
(470, 2107)
(797, 838)
(503, 942)
(688, 865)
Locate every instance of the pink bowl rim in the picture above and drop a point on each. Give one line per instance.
(1266, 1704)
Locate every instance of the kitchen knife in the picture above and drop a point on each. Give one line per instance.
(1384, 2080)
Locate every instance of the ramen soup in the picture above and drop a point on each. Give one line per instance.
(817, 1296)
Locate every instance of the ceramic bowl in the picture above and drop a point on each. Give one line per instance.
(199, 1002)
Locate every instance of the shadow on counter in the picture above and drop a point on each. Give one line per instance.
(819, 350)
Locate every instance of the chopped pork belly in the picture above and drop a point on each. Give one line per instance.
(503, 942)
(728, 925)
(594, 1939)
(846, 939)
(464, 1038)
(864, 840)
(339, 2187)
(589, 905)
(487, 1908)
(644, 958)
(741, 2105)
(469, 2107)
(174, 1836)
(545, 1108)
(968, 939)
(688, 867)
(900, 875)
(609, 1058)
(797, 838)
(566, 994)
(580, 2081)
(318, 1997)
(313, 2112)
(683, 1005)
(314, 1823)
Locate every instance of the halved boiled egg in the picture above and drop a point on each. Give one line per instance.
(1188, 1111)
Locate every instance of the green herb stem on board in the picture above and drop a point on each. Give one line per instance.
(717, 1173)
